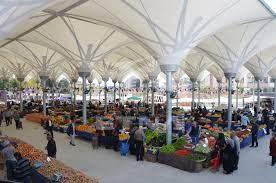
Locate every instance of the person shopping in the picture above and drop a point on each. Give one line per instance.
(228, 157)
(51, 146)
(16, 118)
(255, 130)
(140, 138)
(273, 149)
(71, 131)
(237, 149)
(49, 127)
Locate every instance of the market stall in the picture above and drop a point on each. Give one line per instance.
(48, 169)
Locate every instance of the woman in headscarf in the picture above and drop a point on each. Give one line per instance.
(220, 145)
(228, 157)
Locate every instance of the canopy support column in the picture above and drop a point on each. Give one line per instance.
(100, 92)
(114, 97)
(90, 91)
(84, 73)
(119, 91)
(258, 79)
(193, 94)
(84, 109)
(168, 70)
(44, 97)
(53, 97)
(237, 94)
(147, 90)
(43, 78)
(177, 90)
(20, 93)
(230, 77)
(105, 96)
(74, 93)
(198, 93)
(152, 78)
(219, 91)
(253, 95)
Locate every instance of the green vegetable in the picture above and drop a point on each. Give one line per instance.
(154, 138)
(179, 144)
(196, 157)
(214, 134)
(201, 149)
(167, 149)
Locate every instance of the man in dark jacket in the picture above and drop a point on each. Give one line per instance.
(266, 121)
(51, 146)
(23, 169)
(255, 130)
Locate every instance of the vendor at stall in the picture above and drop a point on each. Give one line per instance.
(244, 121)
(195, 132)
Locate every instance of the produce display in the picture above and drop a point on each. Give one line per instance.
(123, 136)
(168, 149)
(59, 120)
(202, 149)
(86, 128)
(180, 143)
(49, 168)
(196, 157)
(155, 138)
(183, 152)
(35, 117)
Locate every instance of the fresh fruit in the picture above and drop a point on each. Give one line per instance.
(49, 168)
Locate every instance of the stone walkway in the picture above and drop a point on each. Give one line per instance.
(110, 167)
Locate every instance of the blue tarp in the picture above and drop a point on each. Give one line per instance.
(84, 135)
(247, 141)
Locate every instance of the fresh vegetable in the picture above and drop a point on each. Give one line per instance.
(179, 144)
(201, 149)
(196, 157)
(155, 138)
(168, 149)
(49, 168)
(183, 152)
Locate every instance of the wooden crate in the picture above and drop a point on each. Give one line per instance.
(151, 157)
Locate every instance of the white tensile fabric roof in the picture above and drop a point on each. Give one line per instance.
(116, 37)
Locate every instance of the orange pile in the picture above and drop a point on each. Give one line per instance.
(54, 166)
(86, 128)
